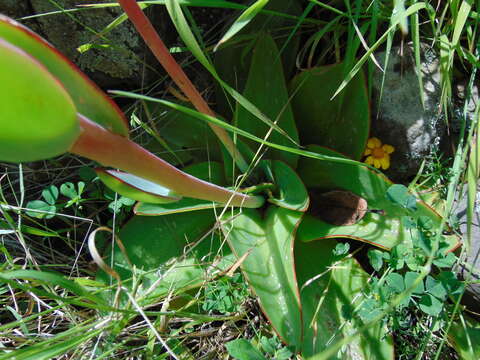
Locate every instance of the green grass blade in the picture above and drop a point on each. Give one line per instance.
(241, 132)
(52, 279)
(57, 345)
(242, 21)
(460, 21)
(180, 22)
(416, 49)
(410, 11)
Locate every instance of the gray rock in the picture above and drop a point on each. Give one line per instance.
(119, 59)
(464, 104)
(469, 267)
(398, 116)
(14, 8)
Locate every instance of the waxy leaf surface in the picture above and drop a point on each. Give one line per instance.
(136, 188)
(269, 266)
(267, 90)
(38, 119)
(208, 171)
(383, 229)
(233, 60)
(291, 192)
(164, 250)
(88, 98)
(341, 124)
(328, 299)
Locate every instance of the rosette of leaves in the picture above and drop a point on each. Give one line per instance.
(308, 289)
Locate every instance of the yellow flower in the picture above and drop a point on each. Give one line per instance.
(377, 154)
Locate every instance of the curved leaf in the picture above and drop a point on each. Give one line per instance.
(38, 119)
(268, 266)
(383, 229)
(267, 90)
(375, 229)
(136, 188)
(88, 98)
(178, 18)
(343, 123)
(291, 192)
(233, 60)
(208, 171)
(329, 303)
(165, 252)
(183, 205)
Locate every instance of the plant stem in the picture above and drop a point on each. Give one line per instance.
(156, 45)
(109, 149)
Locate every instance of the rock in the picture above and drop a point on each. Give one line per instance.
(464, 102)
(398, 116)
(119, 60)
(14, 8)
(469, 267)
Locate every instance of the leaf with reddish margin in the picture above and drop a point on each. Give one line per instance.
(330, 292)
(173, 252)
(343, 123)
(31, 128)
(268, 266)
(209, 171)
(383, 229)
(267, 90)
(136, 188)
(291, 192)
(90, 101)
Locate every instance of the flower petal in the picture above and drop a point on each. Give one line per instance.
(373, 143)
(385, 162)
(369, 160)
(388, 148)
(367, 152)
(377, 163)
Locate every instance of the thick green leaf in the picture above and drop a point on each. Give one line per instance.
(291, 193)
(164, 251)
(88, 98)
(184, 132)
(374, 229)
(242, 349)
(233, 60)
(183, 205)
(329, 301)
(383, 229)
(38, 119)
(341, 124)
(267, 90)
(268, 266)
(466, 338)
(136, 188)
(209, 171)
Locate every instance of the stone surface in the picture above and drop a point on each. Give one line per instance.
(464, 103)
(398, 117)
(469, 267)
(118, 60)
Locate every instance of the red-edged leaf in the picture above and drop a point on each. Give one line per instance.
(88, 98)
